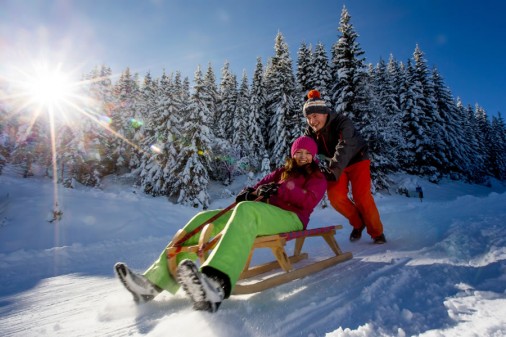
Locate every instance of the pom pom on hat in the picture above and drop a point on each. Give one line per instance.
(314, 94)
(315, 104)
(306, 143)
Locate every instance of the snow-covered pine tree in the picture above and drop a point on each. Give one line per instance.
(32, 144)
(145, 106)
(4, 137)
(436, 161)
(156, 143)
(256, 145)
(498, 147)
(304, 70)
(69, 157)
(240, 136)
(414, 125)
(321, 77)
(382, 138)
(484, 138)
(99, 139)
(282, 102)
(192, 178)
(474, 157)
(213, 95)
(125, 95)
(227, 104)
(348, 70)
(258, 102)
(394, 80)
(452, 133)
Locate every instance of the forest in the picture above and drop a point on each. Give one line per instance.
(172, 135)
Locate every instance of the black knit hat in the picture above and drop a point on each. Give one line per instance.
(315, 104)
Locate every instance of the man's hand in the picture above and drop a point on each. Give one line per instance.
(329, 175)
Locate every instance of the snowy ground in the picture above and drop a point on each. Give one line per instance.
(442, 272)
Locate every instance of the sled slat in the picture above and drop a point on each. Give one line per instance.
(277, 280)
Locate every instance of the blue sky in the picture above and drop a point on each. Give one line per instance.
(464, 39)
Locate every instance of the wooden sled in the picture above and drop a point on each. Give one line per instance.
(284, 264)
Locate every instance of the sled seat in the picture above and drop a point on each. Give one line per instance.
(276, 243)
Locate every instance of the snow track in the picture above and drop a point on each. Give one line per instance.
(441, 272)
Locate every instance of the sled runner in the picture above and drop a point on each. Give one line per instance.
(281, 270)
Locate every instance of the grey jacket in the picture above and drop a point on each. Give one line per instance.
(339, 143)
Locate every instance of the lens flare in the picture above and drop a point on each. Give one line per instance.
(136, 123)
(156, 148)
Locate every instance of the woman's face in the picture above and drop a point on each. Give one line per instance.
(302, 157)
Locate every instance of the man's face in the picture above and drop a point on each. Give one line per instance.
(316, 121)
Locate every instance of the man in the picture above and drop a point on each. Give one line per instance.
(345, 153)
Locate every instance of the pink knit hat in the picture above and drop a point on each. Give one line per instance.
(306, 143)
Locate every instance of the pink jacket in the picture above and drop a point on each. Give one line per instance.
(299, 195)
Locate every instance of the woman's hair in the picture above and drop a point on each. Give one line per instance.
(293, 170)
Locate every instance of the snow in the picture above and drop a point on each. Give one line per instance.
(441, 273)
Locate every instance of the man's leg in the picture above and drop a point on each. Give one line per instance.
(337, 192)
(360, 177)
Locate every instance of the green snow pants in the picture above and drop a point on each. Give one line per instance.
(248, 220)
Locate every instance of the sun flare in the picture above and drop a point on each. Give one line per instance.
(48, 87)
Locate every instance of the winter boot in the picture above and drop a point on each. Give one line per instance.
(380, 239)
(205, 292)
(139, 286)
(356, 234)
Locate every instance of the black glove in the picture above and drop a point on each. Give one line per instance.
(246, 194)
(329, 175)
(265, 191)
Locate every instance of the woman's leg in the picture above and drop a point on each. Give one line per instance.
(249, 220)
(158, 273)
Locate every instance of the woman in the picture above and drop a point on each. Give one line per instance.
(290, 194)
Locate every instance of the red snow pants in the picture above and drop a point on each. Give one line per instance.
(362, 210)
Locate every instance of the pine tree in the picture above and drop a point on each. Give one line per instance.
(190, 170)
(123, 114)
(32, 146)
(321, 77)
(305, 69)
(415, 127)
(156, 144)
(213, 98)
(240, 137)
(257, 150)
(4, 138)
(450, 125)
(286, 121)
(437, 163)
(382, 133)
(78, 161)
(484, 138)
(145, 105)
(93, 134)
(348, 71)
(475, 157)
(498, 147)
(258, 102)
(228, 103)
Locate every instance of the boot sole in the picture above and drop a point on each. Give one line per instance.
(122, 272)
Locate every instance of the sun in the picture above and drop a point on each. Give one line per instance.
(48, 87)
